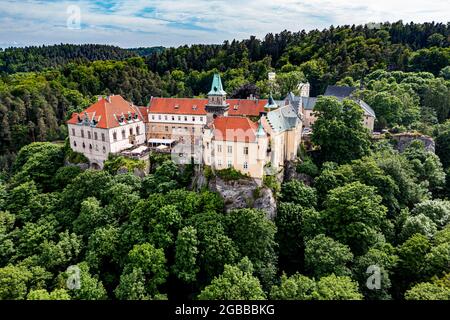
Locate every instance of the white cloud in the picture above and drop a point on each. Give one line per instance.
(175, 22)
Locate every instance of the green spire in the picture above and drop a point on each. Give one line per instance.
(216, 86)
(260, 132)
(271, 104)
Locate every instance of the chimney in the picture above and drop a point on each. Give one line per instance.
(99, 98)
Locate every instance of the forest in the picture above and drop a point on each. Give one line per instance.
(362, 203)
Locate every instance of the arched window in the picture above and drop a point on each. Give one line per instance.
(90, 146)
(131, 131)
(74, 143)
(84, 146)
(104, 149)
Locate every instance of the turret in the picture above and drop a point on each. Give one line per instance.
(217, 99)
(261, 139)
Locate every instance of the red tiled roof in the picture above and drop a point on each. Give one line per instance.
(178, 105)
(234, 129)
(246, 107)
(144, 112)
(238, 107)
(104, 111)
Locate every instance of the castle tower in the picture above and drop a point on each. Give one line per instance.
(304, 89)
(261, 139)
(217, 99)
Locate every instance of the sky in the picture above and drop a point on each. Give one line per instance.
(168, 23)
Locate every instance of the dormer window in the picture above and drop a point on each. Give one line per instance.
(235, 107)
(194, 107)
(176, 106)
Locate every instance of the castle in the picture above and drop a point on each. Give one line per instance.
(250, 135)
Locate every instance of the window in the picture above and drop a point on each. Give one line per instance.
(153, 117)
(74, 143)
(159, 117)
(173, 118)
(138, 130)
(207, 145)
(73, 132)
(219, 163)
(246, 150)
(219, 148)
(95, 136)
(90, 146)
(89, 135)
(230, 149)
(115, 136)
(96, 147)
(104, 149)
(201, 118)
(84, 146)
(193, 129)
(193, 119)
(82, 133)
(103, 137)
(123, 134)
(185, 118)
(229, 164)
(179, 118)
(245, 165)
(131, 131)
(165, 118)
(166, 128)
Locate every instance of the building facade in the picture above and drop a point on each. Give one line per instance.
(110, 125)
(246, 134)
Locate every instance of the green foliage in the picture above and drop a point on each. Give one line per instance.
(254, 236)
(299, 287)
(438, 289)
(42, 294)
(324, 256)
(116, 163)
(339, 130)
(230, 174)
(308, 167)
(185, 266)
(235, 283)
(354, 216)
(272, 183)
(297, 192)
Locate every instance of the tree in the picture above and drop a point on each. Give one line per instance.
(442, 141)
(427, 291)
(336, 288)
(380, 258)
(418, 224)
(411, 264)
(254, 236)
(299, 287)
(339, 130)
(297, 192)
(90, 287)
(354, 216)
(38, 162)
(295, 287)
(151, 262)
(437, 210)
(235, 283)
(324, 256)
(132, 286)
(14, 282)
(294, 223)
(42, 294)
(186, 267)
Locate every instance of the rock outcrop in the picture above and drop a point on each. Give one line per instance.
(244, 193)
(404, 139)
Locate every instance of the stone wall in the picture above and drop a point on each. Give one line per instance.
(404, 139)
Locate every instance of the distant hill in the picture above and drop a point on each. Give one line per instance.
(146, 51)
(37, 58)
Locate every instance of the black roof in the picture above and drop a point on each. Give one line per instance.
(339, 91)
